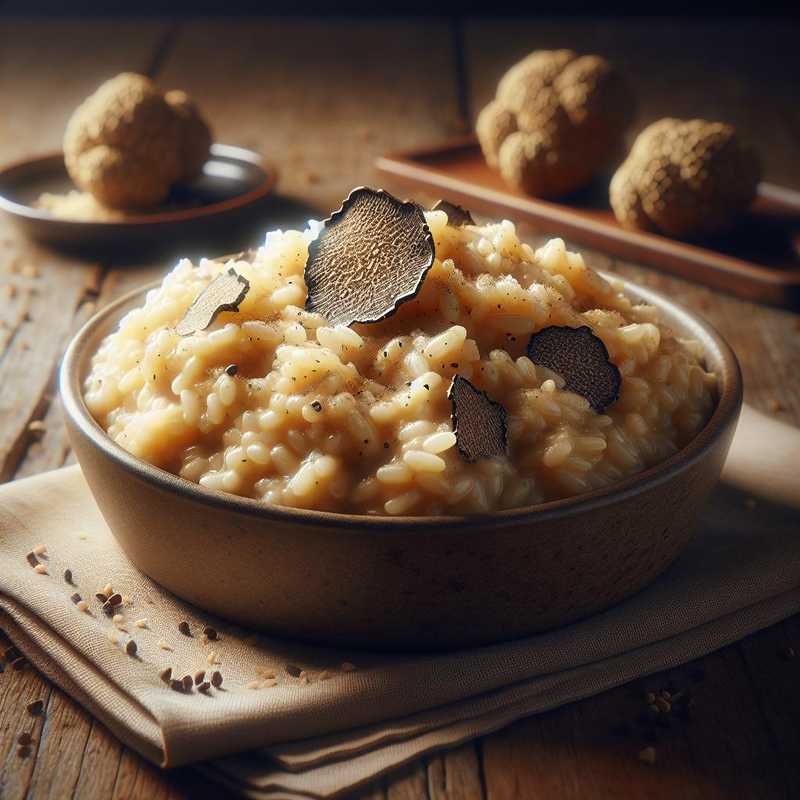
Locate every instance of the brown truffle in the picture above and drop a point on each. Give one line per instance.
(684, 179)
(558, 118)
(225, 293)
(371, 256)
(581, 359)
(127, 144)
(479, 422)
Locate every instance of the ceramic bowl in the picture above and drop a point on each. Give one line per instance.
(402, 583)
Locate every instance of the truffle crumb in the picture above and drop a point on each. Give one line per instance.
(35, 707)
(210, 633)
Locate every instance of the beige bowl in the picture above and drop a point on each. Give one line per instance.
(392, 582)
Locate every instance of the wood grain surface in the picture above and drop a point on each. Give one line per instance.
(322, 99)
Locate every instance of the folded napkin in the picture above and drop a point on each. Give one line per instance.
(335, 719)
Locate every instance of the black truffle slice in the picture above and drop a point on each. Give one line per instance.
(581, 359)
(372, 255)
(224, 293)
(456, 215)
(478, 421)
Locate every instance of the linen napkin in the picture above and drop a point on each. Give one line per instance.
(330, 720)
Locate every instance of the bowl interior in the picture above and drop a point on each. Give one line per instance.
(718, 357)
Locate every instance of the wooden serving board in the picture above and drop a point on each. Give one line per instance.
(760, 260)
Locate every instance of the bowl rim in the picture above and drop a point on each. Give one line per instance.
(723, 417)
(217, 150)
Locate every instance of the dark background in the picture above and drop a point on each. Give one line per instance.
(716, 9)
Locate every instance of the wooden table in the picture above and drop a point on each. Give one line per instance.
(323, 99)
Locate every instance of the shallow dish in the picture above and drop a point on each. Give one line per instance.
(234, 182)
(402, 582)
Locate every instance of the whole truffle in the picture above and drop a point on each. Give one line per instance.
(494, 125)
(196, 133)
(128, 143)
(685, 178)
(557, 119)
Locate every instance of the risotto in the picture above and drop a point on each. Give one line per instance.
(272, 401)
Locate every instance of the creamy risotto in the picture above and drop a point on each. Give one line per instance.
(273, 402)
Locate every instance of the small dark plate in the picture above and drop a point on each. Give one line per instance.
(233, 185)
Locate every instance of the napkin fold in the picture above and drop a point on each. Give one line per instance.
(321, 727)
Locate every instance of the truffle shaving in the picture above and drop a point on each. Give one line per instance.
(372, 255)
(581, 359)
(478, 421)
(456, 215)
(224, 293)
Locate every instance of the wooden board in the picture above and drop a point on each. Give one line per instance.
(759, 261)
